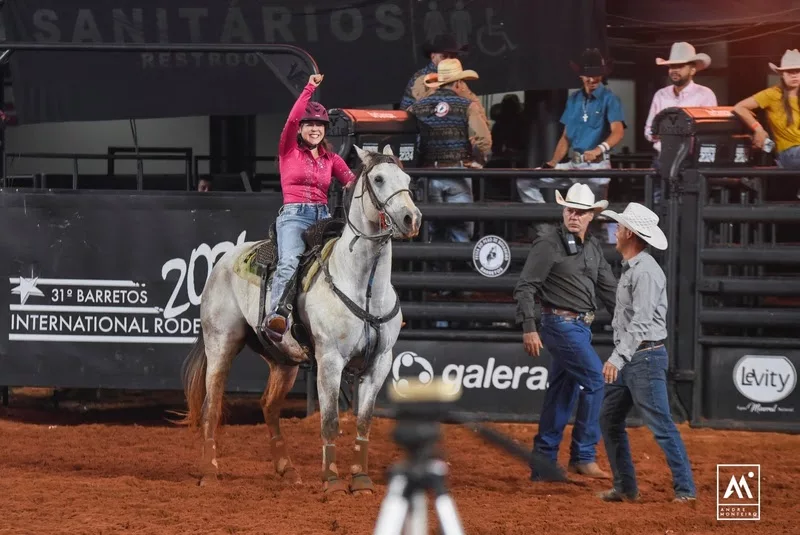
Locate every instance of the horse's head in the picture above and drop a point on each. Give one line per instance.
(384, 186)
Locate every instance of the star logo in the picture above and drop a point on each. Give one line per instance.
(26, 288)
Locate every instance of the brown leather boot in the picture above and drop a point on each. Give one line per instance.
(275, 327)
(588, 470)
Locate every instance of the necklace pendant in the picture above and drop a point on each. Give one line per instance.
(585, 117)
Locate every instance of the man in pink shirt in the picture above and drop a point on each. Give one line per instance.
(683, 64)
(307, 165)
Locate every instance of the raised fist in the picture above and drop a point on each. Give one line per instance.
(315, 79)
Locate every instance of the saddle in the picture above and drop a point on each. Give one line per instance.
(257, 266)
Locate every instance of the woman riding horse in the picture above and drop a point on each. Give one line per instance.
(307, 165)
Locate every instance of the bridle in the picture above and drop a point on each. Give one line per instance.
(386, 223)
(384, 235)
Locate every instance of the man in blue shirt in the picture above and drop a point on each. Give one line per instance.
(593, 124)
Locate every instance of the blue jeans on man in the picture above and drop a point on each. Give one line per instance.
(293, 219)
(452, 190)
(575, 375)
(643, 383)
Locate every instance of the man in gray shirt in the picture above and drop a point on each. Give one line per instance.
(636, 372)
(564, 270)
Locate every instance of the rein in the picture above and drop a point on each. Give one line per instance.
(386, 231)
(382, 238)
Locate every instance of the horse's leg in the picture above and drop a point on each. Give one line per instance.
(220, 350)
(329, 377)
(281, 380)
(368, 390)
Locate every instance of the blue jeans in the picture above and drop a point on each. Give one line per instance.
(529, 189)
(790, 158)
(643, 383)
(292, 220)
(447, 190)
(574, 364)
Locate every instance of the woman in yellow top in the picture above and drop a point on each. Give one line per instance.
(783, 113)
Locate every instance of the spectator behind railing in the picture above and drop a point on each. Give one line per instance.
(204, 184)
(683, 64)
(509, 136)
(452, 128)
(594, 124)
(783, 114)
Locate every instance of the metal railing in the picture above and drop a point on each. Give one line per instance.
(729, 292)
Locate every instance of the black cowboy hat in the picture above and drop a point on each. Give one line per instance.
(592, 63)
(444, 44)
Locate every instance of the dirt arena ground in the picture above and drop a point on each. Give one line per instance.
(118, 467)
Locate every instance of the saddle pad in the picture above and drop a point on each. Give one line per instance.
(245, 265)
(313, 268)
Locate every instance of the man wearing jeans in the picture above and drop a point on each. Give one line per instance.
(452, 129)
(594, 123)
(564, 270)
(636, 372)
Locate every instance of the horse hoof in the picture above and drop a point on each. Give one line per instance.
(361, 485)
(209, 480)
(335, 486)
(291, 476)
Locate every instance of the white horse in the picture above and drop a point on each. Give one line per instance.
(381, 208)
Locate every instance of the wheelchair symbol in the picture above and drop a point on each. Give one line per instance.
(495, 34)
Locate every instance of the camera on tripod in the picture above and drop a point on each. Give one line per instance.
(419, 408)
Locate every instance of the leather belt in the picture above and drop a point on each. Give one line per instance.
(586, 317)
(460, 163)
(650, 344)
(576, 156)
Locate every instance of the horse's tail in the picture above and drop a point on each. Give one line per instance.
(194, 383)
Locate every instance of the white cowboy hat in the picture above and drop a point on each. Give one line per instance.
(449, 70)
(683, 52)
(642, 222)
(789, 61)
(580, 197)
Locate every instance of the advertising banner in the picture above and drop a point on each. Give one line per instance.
(498, 381)
(103, 289)
(752, 385)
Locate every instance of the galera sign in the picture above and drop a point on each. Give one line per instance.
(469, 376)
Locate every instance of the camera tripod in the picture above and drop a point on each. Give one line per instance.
(405, 508)
(419, 407)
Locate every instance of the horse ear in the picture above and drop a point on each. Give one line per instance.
(362, 154)
(387, 150)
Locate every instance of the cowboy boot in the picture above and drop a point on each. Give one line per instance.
(274, 326)
(276, 322)
(588, 470)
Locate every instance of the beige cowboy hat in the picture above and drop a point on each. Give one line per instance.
(642, 222)
(789, 61)
(449, 70)
(683, 52)
(580, 197)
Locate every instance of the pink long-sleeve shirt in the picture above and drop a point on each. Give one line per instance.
(691, 95)
(305, 179)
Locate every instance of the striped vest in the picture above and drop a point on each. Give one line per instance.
(444, 128)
